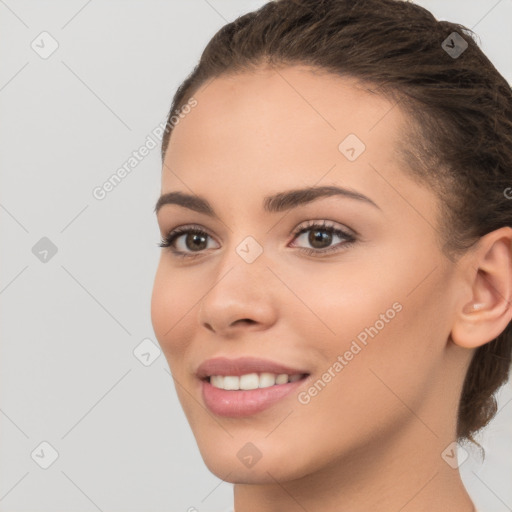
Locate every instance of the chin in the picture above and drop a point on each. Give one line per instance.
(237, 460)
(263, 472)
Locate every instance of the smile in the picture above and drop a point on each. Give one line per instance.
(246, 385)
(252, 380)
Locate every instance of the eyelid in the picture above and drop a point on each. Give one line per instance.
(349, 235)
(327, 224)
(173, 234)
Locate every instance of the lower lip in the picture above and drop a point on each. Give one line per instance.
(236, 404)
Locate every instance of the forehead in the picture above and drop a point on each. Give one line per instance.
(276, 129)
(279, 113)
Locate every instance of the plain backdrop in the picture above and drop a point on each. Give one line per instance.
(79, 393)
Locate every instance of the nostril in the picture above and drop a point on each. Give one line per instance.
(209, 327)
(248, 320)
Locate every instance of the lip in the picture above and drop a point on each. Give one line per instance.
(242, 365)
(238, 404)
(242, 403)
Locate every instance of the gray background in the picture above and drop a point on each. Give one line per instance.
(70, 324)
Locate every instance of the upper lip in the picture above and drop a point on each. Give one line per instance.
(241, 366)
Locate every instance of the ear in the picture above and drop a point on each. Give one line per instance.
(489, 310)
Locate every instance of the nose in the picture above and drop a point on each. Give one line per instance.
(240, 298)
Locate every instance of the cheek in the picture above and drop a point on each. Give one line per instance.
(391, 336)
(367, 314)
(170, 309)
(339, 303)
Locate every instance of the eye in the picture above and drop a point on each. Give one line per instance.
(194, 238)
(321, 235)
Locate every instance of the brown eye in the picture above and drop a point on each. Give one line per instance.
(195, 241)
(320, 237)
(185, 241)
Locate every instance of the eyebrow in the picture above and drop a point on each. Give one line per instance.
(276, 203)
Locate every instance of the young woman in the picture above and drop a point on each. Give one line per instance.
(333, 294)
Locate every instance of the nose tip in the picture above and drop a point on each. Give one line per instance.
(240, 299)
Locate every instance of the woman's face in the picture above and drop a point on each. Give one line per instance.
(361, 316)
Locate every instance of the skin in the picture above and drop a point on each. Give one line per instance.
(372, 438)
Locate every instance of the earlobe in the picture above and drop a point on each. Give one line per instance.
(489, 310)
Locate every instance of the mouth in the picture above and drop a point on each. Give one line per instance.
(251, 381)
(245, 386)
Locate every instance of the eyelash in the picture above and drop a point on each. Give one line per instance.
(168, 241)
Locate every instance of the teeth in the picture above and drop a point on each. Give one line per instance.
(231, 382)
(267, 380)
(251, 380)
(217, 381)
(282, 378)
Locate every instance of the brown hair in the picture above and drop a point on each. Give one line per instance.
(459, 134)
